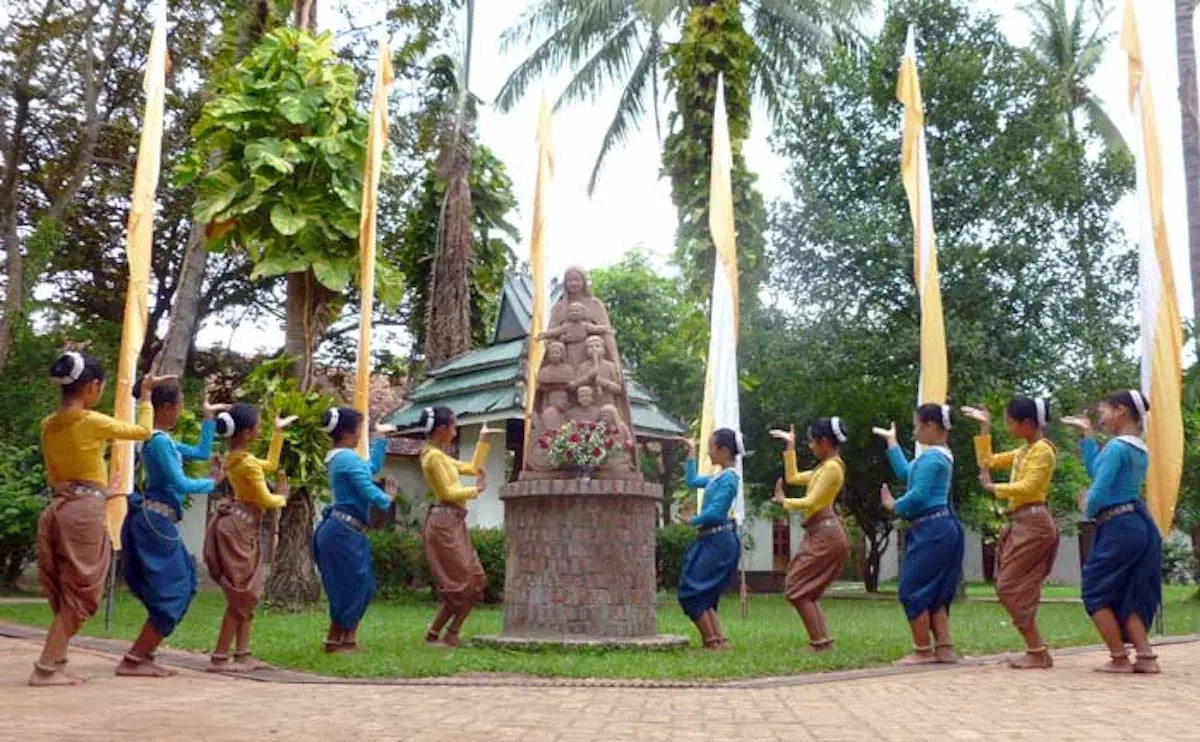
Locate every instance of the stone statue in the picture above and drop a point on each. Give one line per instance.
(580, 374)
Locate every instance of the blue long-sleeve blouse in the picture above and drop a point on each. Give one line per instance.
(720, 490)
(928, 478)
(162, 461)
(351, 480)
(1117, 471)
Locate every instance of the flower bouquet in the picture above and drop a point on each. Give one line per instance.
(581, 448)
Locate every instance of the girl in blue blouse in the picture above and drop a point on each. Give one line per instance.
(157, 567)
(713, 558)
(340, 544)
(1122, 578)
(933, 552)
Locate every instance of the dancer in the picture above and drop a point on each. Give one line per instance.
(826, 546)
(933, 554)
(713, 558)
(453, 561)
(231, 549)
(73, 550)
(1122, 578)
(1029, 542)
(340, 545)
(157, 567)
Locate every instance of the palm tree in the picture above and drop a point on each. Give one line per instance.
(1069, 51)
(622, 42)
(1185, 46)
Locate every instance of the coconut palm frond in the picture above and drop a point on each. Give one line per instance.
(609, 63)
(629, 112)
(1104, 126)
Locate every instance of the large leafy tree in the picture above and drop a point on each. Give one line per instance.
(1008, 197)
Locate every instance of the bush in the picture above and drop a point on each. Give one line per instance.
(22, 488)
(493, 554)
(1177, 562)
(398, 556)
(671, 545)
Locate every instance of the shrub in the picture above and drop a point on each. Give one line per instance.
(1177, 562)
(398, 556)
(493, 553)
(22, 488)
(671, 545)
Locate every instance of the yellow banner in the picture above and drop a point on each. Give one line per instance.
(139, 237)
(537, 260)
(376, 140)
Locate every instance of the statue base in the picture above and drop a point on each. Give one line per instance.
(581, 562)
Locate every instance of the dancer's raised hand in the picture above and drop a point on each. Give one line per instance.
(1081, 422)
(216, 469)
(787, 436)
(390, 486)
(281, 423)
(281, 483)
(885, 496)
(384, 428)
(985, 480)
(887, 434)
(149, 382)
(980, 415)
(691, 446)
(212, 410)
(780, 496)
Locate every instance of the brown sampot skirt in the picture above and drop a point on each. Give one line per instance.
(1028, 545)
(233, 557)
(453, 562)
(820, 560)
(73, 553)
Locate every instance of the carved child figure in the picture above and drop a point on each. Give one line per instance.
(602, 375)
(586, 410)
(574, 332)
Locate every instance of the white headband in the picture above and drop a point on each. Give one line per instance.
(333, 420)
(1040, 404)
(1139, 402)
(740, 442)
(77, 365)
(946, 416)
(227, 424)
(428, 420)
(838, 431)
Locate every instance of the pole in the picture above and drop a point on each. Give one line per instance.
(108, 593)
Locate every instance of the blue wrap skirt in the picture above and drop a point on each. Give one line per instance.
(1124, 567)
(343, 556)
(157, 566)
(932, 566)
(708, 567)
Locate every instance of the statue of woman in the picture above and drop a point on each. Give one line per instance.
(575, 289)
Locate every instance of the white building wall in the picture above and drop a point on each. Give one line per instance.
(192, 526)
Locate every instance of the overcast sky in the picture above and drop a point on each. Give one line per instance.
(632, 205)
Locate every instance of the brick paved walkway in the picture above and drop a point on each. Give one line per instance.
(966, 703)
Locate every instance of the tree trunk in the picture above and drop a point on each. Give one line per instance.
(294, 582)
(872, 560)
(1185, 45)
(448, 320)
(1196, 554)
(308, 317)
(185, 313)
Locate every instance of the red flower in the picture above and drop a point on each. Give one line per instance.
(596, 452)
(574, 438)
(609, 443)
(542, 442)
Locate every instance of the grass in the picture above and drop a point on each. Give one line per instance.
(770, 642)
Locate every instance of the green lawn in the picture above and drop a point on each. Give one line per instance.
(769, 642)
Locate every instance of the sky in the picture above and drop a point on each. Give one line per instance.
(632, 204)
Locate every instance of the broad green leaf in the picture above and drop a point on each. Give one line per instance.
(215, 193)
(268, 151)
(286, 221)
(333, 273)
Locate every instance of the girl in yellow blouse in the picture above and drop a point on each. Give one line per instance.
(1029, 542)
(231, 545)
(826, 546)
(73, 550)
(453, 561)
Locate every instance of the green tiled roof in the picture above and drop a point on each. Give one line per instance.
(484, 402)
(507, 375)
(484, 357)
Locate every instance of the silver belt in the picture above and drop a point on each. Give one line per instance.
(1108, 514)
(939, 513)
(827, 520)
(80, 489)
(1036, 507)
(161, 508)
(439, 507)
(709, 530)
(238, 510)
(349, 519)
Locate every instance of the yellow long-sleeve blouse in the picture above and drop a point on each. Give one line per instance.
(823, 484)
(1032, 469)
(74, 442)
(247, 475)
(442, 472)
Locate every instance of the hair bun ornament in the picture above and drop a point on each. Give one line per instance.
(1139, 402)
(77, 366)
(740, 442)
(946, 416)
(838, 431)
(1040, 404)
(334, 414)
(226, 425)
(429, 420)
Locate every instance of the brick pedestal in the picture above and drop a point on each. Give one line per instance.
(580, 559)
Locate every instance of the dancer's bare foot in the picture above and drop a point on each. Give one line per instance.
(46, 676)
(452, 641)
(219, 663)
(248, 663)
(346, 648)
(920, 656)
(1119, 664)
(1033, 659)
(1147, 664)
(821, 646)
(945, 654)
(329, 647)
(145, 668)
